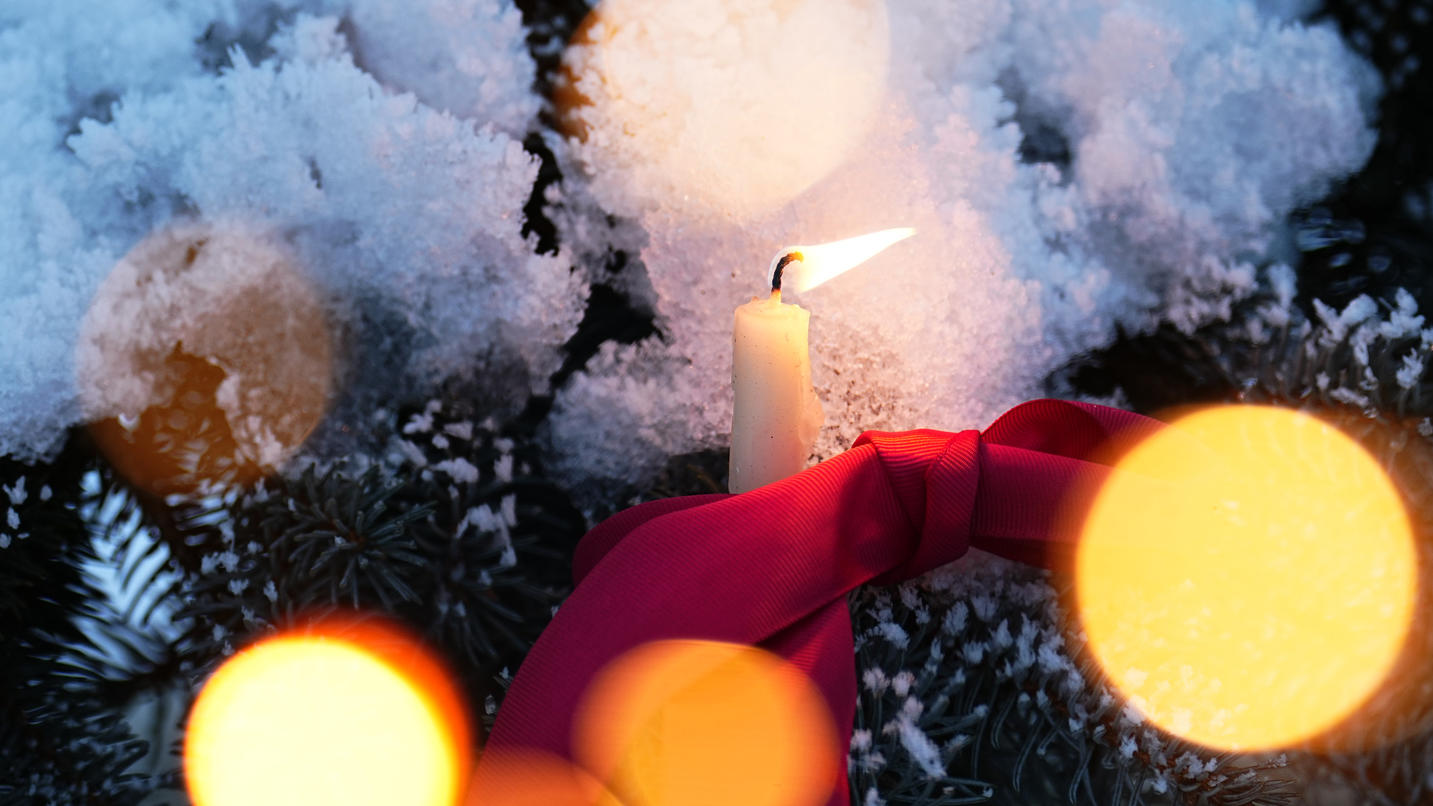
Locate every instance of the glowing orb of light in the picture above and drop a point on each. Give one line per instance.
(691, 723)
(733, 106)
(204, 358)
(354, 716)
(1247, 577)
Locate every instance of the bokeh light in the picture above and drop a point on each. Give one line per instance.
(352, 713)
(698, 723)
(728, 105)
(1247, 577)
(204, 358)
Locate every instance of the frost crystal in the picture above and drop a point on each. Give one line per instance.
(16, 492)
(459, 469)
(923, 751)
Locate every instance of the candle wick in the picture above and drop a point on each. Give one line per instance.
(789, 257)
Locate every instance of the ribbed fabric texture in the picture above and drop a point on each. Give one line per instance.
(772, 567)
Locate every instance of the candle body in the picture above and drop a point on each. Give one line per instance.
(777, 415)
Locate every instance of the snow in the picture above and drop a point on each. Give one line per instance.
(1068, 166)
(923, 751)
(466, 57)
(405, 218)
(16, 492)
(458, 469)
(1164, 147)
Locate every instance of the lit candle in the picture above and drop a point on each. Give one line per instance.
(777, 414)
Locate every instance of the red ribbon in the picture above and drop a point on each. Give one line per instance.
(772, 567)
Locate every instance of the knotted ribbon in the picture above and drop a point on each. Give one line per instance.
(772, 567)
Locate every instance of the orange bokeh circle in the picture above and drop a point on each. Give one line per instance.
(692, 723)
(344, 711)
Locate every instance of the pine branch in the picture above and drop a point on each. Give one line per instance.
(972, 692)
(63, 737)
(459, 536)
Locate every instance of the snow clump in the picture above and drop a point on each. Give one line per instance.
(400, 191)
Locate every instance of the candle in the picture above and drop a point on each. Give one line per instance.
(777, 414)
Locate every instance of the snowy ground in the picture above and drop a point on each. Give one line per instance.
(1068, 166)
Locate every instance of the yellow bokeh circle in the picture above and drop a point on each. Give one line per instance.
(703, 723)
(1247, 577)
(358, 718)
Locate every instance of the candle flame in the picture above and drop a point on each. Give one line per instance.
(822, 262)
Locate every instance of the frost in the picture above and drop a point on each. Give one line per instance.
(923, 751)
(459, 469)
(1349, 397)
(1131, 712)
(1001, 638)
(1284, 283)
(860, 740)
(508, 557)
(463, 431)
(502, 468)
(16, 492)
(1410, 370)
(901, 683)
(1404, 319)
(953, 623)
(422, 422)
(974, 652)
(411, 453)
(481, 517)
(875, 680)
(894, 633)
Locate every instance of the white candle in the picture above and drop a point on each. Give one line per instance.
(777, 414)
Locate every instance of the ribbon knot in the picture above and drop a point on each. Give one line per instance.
(935, 475)
(772, 567)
